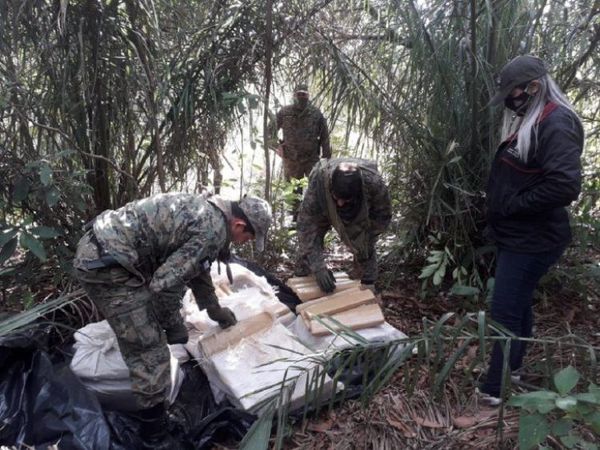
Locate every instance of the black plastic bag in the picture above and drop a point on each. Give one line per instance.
(40, 404)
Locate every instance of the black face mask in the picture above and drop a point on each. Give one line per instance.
(518, 104)
(301, 102)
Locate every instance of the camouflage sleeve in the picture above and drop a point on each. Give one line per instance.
(380, 205)
(324, 138)
(188, 261)
(313, 224)
(203, 290)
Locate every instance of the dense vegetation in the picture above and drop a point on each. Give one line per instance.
(106, 101)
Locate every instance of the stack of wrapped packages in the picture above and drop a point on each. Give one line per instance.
(270, 349)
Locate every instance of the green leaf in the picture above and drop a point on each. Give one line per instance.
(533, 430)
(458, 289)
(6, 272)
(587, 445)
(438, 276)
(428, 271)
(63, 153)
(566, 403)
(562, 427)
(257, 437)
(21, 189)
(7, 235)
(52, 196)
(594, 421)
(566, 379)
(45, 172)
(541, 401)
(28, 300)
(588, 397)
(570, 441)
(45, 232)
(8, 249)
(31, 243)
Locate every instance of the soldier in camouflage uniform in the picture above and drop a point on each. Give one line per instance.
(350, 195)
(305, 136)
(134, 264)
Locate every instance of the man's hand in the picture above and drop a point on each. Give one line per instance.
(325, 280)
(279, 150)
(224, 316)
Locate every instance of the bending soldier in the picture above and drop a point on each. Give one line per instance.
(305, 136)
(350, 195)
(134, 265)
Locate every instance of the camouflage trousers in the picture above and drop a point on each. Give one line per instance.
(138, 317)
(296, 170)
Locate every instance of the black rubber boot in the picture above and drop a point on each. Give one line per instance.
(154, 429)
(177, 334)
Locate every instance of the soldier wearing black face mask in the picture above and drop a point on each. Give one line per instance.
(535, 175)
(349, 195)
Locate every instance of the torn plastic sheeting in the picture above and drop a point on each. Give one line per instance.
(40, 406)
(285, 295)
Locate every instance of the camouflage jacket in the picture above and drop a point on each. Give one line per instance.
(304, 133)
(318, 214)
(168, 240)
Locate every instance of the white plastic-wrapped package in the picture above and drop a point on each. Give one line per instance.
(98, 363)
(247, 296)
(242, 278)
(252, 371)
(334, 342)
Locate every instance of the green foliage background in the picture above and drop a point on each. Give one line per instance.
(103, 102)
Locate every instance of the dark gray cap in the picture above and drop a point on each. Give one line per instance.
(516, 72)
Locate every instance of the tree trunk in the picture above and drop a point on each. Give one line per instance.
(268, 75)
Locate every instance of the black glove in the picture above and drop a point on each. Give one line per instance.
(224, 316)
(325, 280)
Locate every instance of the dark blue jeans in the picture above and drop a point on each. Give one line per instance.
(517, 275)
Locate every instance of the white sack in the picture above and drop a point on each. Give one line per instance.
(100, 366)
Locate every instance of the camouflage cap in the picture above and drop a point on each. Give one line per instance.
(258, 212)
(301, 88)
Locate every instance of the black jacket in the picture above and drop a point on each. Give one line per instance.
(526, 201)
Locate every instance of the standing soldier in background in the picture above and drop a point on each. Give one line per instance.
(350, 195)
(134, 264)
(305, 137)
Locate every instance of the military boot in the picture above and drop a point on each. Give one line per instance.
(177, 334)
(154, 429)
